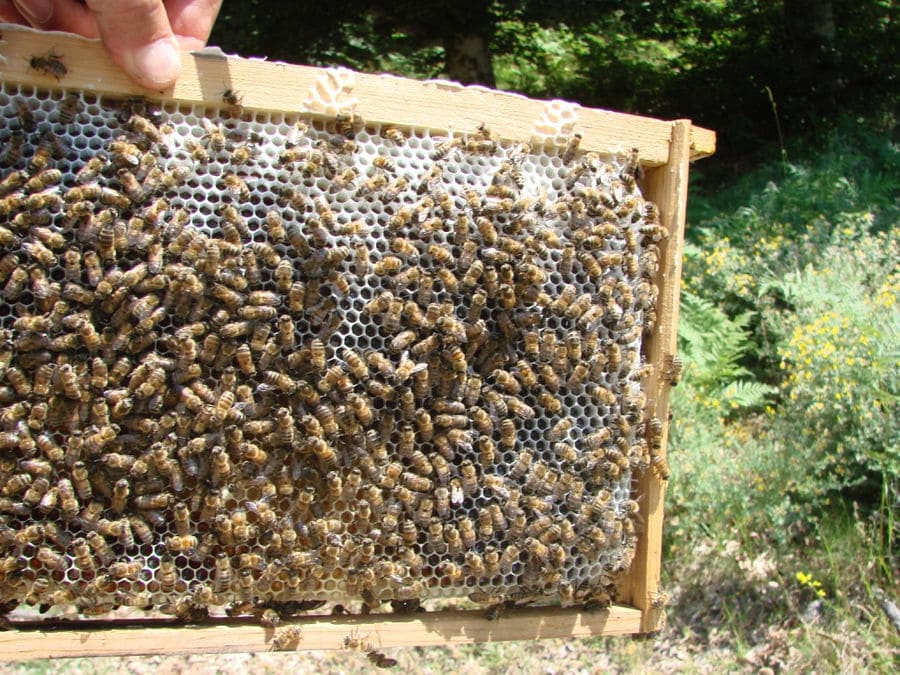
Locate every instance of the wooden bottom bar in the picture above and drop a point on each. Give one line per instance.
(381, 631)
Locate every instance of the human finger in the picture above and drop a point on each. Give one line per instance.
(9, 13)
(193, 19)
(139, 38)
(64, 15)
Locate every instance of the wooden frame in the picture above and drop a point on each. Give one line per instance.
(666, 149)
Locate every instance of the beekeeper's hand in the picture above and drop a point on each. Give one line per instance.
(142, 36)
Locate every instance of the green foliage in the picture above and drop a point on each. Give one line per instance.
(536, 60)
(710, 432)
(712, 345)
(778, 219)
(790, 301)
(854, 167)
(791, 280)
(842, 359)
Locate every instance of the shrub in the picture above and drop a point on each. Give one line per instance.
(841, 358)
(789, 331)
(711, 437)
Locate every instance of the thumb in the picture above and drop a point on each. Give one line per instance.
(139, 38)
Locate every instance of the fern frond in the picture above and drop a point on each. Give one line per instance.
(746, 394)
(711, 342)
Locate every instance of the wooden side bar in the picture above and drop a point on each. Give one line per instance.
(382, 631)
(667, 187)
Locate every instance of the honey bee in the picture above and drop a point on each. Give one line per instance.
(11, 157)
(51, 559)
(444, 202)
(673, 367)
(450, 571)
(467, 532)
(571, 148)
(214, 136)
(487, 231)
(221, 466)
(501, 191)
(143, 126)
(126, 570)
(416, 483)
(377, 182)
(50, 64)
(242, 154)
(49, 147)
(269, 618)
(348, 123)
(443, 149)
(38, 591)
(236, 186)
(440, 254)
(658, 464)
(393, 134)
(475, 564)
(26, 116)
(388, 265)
(482, 142)
(385, 163)
(15, 284)
(197, 151)
(36, 491)
(44, 256)
(401, 219)
(224, 572)
(43, 180)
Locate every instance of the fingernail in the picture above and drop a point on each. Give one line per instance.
(37, 12)
(157, 64)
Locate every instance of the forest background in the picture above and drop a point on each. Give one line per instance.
(783, 509)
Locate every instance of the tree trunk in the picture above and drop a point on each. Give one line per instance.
(468, 59)
(810, 34)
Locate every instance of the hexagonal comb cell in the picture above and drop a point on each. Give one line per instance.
(264, 359)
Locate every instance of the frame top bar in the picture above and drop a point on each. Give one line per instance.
(437, 105)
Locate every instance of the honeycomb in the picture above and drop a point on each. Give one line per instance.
(254, 359)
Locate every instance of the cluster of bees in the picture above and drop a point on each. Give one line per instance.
(263, 363)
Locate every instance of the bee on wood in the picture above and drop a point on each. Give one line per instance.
(49, 64)
(672, 372)
(233, 98)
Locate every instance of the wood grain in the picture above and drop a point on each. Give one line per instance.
(666, 186)
(382, 631)
(440, 106)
